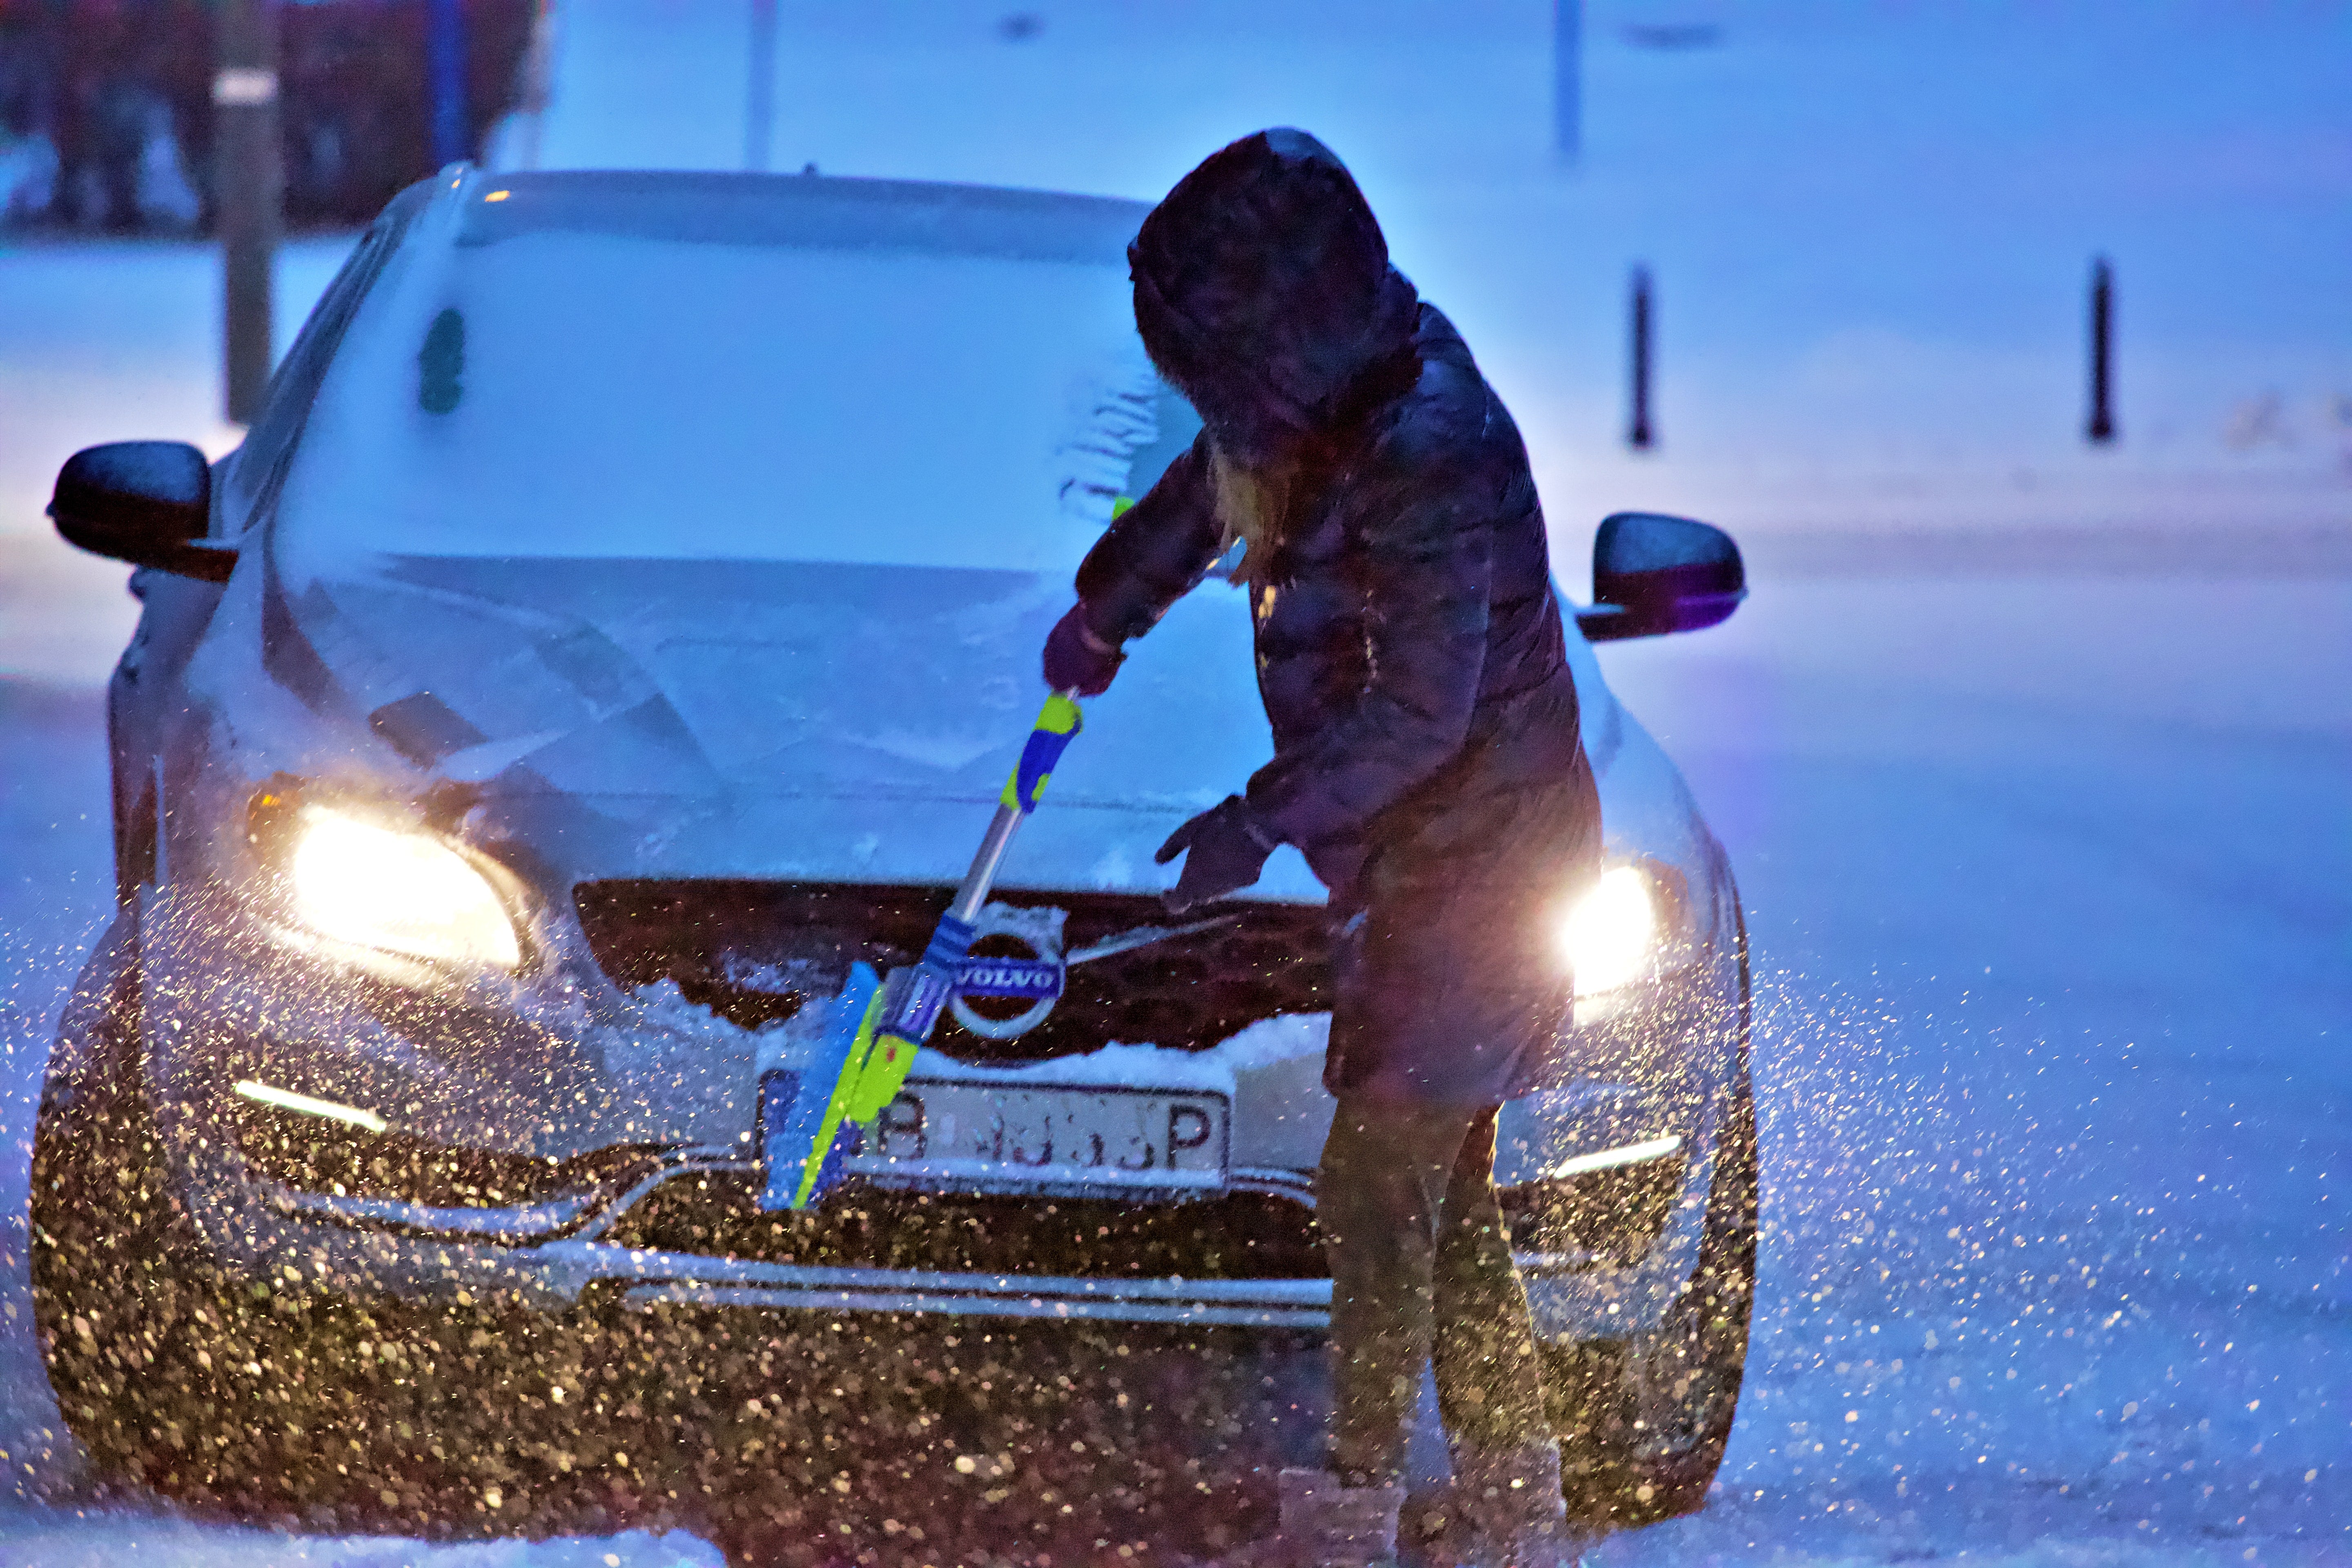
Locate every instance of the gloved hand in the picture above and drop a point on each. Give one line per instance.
(1225, 849)
(1076, 659)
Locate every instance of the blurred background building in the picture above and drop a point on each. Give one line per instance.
(106, 106)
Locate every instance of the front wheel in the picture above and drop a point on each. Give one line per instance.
(1643, 1423)
(109, 1298)
(296, 1404)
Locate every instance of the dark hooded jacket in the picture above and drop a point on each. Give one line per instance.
(1410, 649)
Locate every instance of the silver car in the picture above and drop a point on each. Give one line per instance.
(618, 625)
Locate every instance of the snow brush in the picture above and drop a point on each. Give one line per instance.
(877, 1027)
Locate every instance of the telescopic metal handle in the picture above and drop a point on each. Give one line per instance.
(1057, 726)
(983, 875)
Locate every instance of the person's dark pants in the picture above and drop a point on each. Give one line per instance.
(1420, 1267)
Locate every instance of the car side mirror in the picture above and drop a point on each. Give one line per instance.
(144, 502)
(1653, 573)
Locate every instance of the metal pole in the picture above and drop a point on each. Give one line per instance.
(2102, 427)
(1567, 78)
(445, 54)
(760, 94)
(532, 86)
(252, 185)
(1638, 434)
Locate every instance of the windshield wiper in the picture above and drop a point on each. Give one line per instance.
(1142, 936)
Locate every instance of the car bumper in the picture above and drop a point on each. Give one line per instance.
(576, 1252)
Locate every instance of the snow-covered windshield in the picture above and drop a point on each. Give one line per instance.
(539, 376)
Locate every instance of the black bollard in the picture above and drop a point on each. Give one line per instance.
(1638, 434)
(2102, 427)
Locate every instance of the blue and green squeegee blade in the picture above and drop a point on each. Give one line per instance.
(809, 1120)
(800, 1109)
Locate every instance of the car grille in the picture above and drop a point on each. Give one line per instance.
(1238, 1236)
(752, 951)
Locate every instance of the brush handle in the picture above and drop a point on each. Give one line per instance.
(877, 1030)
(1057, 725)
(976, 881)
(913, 998)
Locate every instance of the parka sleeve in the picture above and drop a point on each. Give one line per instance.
(1155, 553)
(1428, 555)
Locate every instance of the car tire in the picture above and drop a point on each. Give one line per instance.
(240, 1395)
(1643, 1423)
(141, 1333)
(108, 1247)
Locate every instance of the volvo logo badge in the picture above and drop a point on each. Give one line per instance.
(1032, 973)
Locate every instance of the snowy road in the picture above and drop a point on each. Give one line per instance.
(2049, 879)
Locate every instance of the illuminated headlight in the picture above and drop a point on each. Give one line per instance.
(399, 892)
(1609, 937)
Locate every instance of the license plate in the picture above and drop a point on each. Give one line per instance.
(956, 1135)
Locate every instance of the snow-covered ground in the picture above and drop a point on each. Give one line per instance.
(2048, 870)
(107, 341)
(2048, 878)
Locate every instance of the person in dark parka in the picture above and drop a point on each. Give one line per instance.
(1427, 762)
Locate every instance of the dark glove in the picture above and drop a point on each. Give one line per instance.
(1076, 659)
(1227, 849)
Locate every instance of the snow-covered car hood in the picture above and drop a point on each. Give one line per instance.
(809, 720)
(813, 720)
